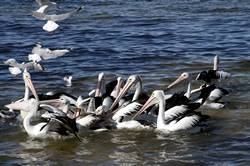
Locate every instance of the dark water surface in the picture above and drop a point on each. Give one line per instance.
(157, 39)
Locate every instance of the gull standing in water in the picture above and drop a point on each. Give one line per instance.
(51, 24)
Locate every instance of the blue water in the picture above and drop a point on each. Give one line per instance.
(158, 40)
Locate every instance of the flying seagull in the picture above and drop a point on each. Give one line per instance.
(51, 24)
(39, 53)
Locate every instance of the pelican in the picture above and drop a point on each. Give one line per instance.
(134, 103)
(182, 122)
(210, 94)
(57, 124)
(51, 24)
(218, 92)
(99, 103)
(179, 103)
(214, 74)
(28, 86)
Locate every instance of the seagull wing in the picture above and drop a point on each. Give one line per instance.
(34, 57)
(45, 2)
(15, 70)
(39, 15)
(55, 17)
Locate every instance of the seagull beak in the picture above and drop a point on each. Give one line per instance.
(29, 83)
(22, 105)
(126, 87)
(177, 82)
(151, 101)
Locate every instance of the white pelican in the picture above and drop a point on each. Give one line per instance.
(57, 122)
(134, 103)
(214, 74)
(209, 96)
(182, 122)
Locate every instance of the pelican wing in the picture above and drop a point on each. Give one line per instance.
(127, 110)
(184, 123)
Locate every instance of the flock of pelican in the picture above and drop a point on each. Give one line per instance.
(112, 104)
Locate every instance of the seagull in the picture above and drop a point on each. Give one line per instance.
(51, 24)
(68, 81)
(16, 68)
(39, 53)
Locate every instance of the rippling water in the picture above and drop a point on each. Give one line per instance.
(157, 39)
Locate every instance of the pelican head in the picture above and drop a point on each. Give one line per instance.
(182, 78)
(28, 82)
(155, 97)
(25, 105)
(132, 81)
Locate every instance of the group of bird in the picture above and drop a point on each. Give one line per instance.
(112, 104)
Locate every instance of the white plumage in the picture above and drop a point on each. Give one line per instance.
(15, 70)
(132, 124)
(68, 81)
(216, 94)
(183, 124)
(86, 121)
(127, 110)
(175, 111)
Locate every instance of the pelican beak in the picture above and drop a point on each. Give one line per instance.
(151, 101)
(119, 85)
(22, 105)
(126, 87)
(177, 82)
(29, 83)
(53, 102)
(99, 85)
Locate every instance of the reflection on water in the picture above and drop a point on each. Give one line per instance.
(156, 39)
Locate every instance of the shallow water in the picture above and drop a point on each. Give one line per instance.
(157, 39)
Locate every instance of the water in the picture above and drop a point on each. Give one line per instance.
(157, 39)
